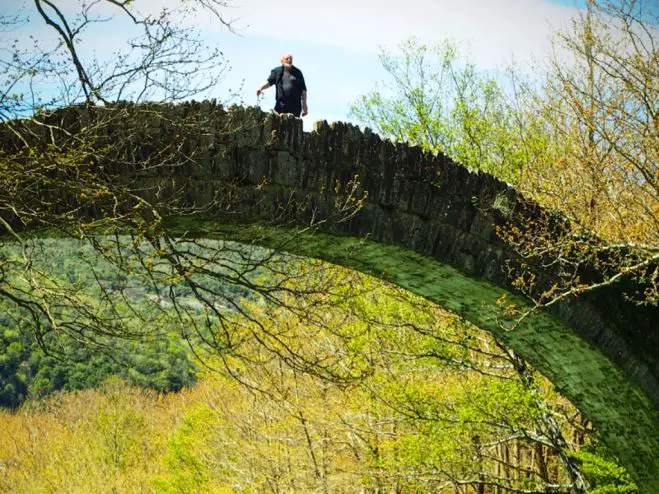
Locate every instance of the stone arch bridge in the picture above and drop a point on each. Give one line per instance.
(429, 224)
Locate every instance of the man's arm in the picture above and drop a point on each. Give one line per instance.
(303, 86)
(265, 86)
(272, 79)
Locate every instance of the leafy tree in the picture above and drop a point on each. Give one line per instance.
(601, 107)
(440, 102)
(584, 143)
(27, 373)
(14, 380)
(97, 440)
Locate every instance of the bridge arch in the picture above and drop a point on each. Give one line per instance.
(426, 222)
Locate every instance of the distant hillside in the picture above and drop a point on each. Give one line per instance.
(156, 355)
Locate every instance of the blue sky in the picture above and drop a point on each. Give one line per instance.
(336, 42)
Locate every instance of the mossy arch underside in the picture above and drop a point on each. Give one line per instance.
(427, 225)
(625, 418)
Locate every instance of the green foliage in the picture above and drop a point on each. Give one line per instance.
(119, 427)
(440, 102)
(186, 449)
(27, 372)
(14, 368)
(603, 472)
(34, 364)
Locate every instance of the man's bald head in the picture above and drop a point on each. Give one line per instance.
(287, 59)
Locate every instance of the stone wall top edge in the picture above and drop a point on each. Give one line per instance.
(433, 164)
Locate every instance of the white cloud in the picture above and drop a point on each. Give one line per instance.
(493, 29)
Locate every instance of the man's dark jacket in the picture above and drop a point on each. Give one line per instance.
(289, 86)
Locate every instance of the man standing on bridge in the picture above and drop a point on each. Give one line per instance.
(291, 91)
